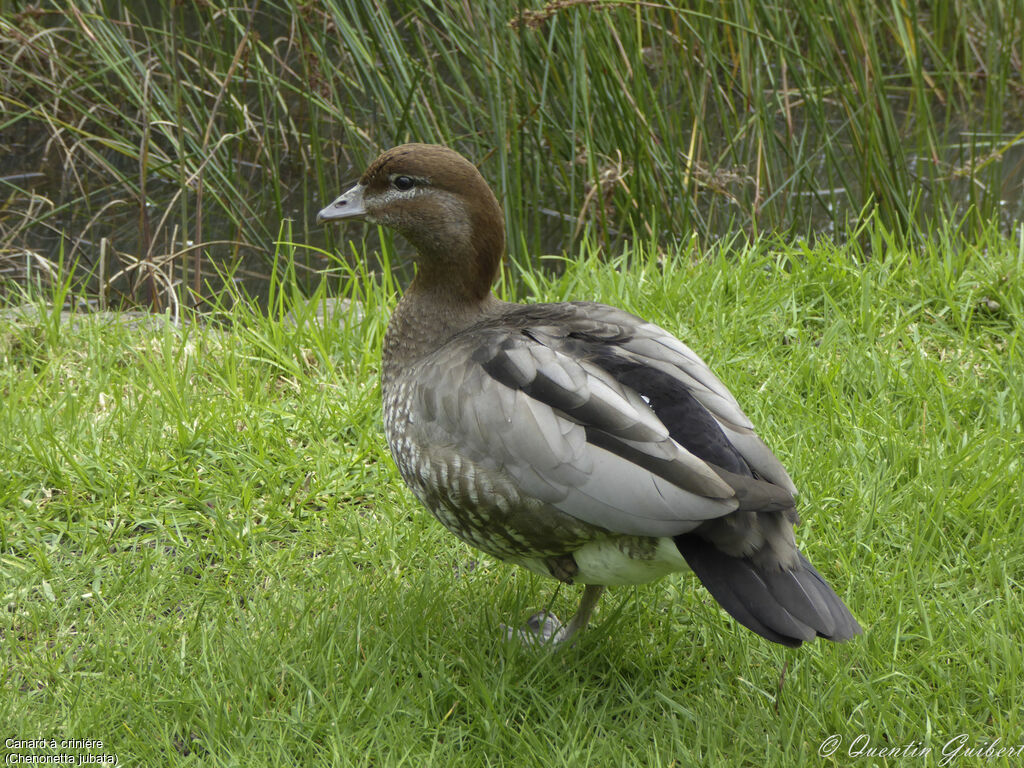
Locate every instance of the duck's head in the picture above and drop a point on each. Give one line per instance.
(441, 204)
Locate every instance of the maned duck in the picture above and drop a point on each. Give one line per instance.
(574, 439)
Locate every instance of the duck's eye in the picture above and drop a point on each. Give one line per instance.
(403, 183)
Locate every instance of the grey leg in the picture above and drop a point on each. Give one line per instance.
(591, 594)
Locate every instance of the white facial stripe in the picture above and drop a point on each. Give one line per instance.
(391, 194)
(445, 209)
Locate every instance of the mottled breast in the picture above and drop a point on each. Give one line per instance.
(471, 496)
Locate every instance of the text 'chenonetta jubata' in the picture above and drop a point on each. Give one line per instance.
(574, 439)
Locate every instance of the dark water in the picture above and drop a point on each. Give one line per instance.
(27, 172)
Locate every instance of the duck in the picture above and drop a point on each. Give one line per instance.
(573, 439)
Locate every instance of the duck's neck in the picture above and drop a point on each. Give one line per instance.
(452, 288)
(428, 315)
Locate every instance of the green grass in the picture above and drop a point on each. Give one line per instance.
(209, 559)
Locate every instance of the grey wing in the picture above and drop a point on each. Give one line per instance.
(645, 356)
(570, 433)
(655, 347)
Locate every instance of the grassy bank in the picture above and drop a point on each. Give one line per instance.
(154, 143)
(209, 559)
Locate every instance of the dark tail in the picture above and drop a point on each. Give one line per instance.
(785, 606)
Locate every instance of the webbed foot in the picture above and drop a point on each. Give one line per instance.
(544, 628)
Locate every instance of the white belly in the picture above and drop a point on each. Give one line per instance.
(605, 562)
(614, 562)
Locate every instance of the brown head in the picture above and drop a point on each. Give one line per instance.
(441, 204)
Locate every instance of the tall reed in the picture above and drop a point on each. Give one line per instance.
(160, 145)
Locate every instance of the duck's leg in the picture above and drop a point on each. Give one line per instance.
(543, 628)
(591, 594)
